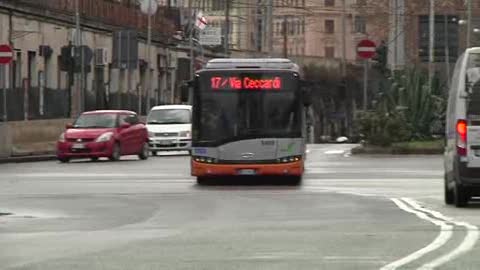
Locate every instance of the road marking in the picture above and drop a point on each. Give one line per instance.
(442, 238)
(334, 152)
(93, 175)
(467, 244)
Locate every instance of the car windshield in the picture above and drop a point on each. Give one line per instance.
(100, 120)
(169, 116)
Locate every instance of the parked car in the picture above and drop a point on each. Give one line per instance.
(462, 151)
(170, 128)
(104, 134)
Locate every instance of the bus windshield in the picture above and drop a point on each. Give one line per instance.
(235, 106)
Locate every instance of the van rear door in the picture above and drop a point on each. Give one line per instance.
(473, 144)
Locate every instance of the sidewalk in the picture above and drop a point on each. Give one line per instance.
(31, 152)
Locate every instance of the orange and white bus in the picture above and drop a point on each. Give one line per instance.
(248, 119)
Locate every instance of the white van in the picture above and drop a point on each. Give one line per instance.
(170, 128)
(462, 151)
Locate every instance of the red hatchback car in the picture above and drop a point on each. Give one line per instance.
(110, 134)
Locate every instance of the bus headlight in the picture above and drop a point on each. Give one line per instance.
(289, 159)
(205, 160)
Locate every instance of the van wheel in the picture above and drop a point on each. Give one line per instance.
(461, 196)
(449, 195)
(115, 152)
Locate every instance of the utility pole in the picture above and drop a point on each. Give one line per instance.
(285, 37)
(431, 56)
(270, 25)
(469, 23)
(190, 38)
(227, 27)
(149, 56)
(78, 75)
(447, 49)
(344, 38)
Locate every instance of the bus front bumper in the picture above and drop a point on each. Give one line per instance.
(284, 169)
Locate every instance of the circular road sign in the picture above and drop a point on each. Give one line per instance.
(149, 7)
(366, 49)
(6, 54)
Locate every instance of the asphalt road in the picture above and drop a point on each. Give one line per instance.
(351, 212)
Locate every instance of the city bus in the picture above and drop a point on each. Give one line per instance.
(248, 119)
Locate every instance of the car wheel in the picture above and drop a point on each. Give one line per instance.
(64, 160)
(461, 196)
(115, 152)
(449, 193)
(154, 153)
(145, 151)
(94, 159)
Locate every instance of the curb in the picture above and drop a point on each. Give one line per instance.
(360, 150)
(31, 158)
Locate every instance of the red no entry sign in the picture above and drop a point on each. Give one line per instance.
(6, 54)
(366, 49)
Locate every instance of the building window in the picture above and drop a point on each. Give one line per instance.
(361, 2)
(446, 36)
(330, 52)
(218, 5)
(329, 26)
(329, 3)
(360, 24)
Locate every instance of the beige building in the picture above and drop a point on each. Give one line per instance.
(331, 34)
(289, 27)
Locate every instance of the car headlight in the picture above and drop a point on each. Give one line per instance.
(185, 134)
(62, 137)
(151, 134)
(105, 137)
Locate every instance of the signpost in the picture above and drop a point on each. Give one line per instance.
(366, 49)
(211, 36)
(6, 56)
(148, 7)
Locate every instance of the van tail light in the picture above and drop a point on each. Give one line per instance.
(462, 137)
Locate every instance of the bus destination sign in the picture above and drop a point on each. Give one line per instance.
(246, 83)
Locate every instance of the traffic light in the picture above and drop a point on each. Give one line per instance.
(381, 57)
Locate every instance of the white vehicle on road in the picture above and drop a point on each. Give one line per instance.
(462, 153)
(170, 128)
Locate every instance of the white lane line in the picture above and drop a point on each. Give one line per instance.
(442, 238)
(335, 152)
(91, 175)
(467, 244)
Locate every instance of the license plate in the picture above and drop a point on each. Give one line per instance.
(169, 142)
(247, 172)
(78, 146)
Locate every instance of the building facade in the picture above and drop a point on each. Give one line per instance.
(46, 79)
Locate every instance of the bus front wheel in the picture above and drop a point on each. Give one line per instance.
(202, 180)
(295, 180)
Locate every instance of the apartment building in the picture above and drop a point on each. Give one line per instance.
(42, 76)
